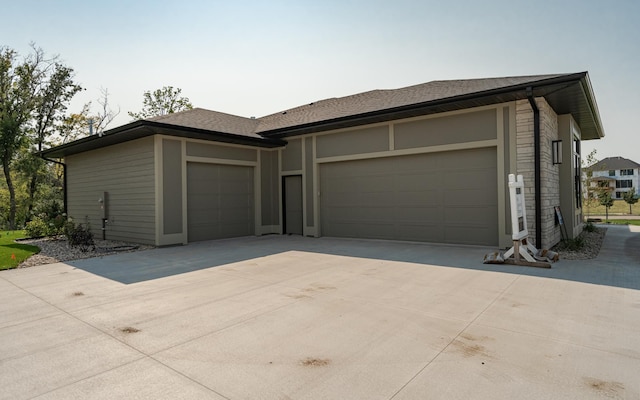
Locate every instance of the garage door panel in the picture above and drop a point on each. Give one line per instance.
(421, 233)
(372, 199)
(375, 214)
(466, 197)
(340, 214)
(235, 216)
(448, 197)
(427, 215)
(219, 201)
(423, 180)
(424, 198)
(233, 230)
(476, 179)
(343, 199)
(235, 200)
(466, 234)
(240, 187)
(375, 183)
(468, 215)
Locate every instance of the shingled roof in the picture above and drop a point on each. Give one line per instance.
(387, 99)
(615, 163)
(566, 93)
(215, 121)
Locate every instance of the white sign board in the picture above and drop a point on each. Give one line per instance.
(518, 210)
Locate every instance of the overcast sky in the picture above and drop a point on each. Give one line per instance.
(253, 58)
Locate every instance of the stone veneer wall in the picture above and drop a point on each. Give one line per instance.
(550, 177)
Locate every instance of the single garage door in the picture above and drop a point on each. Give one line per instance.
(448, 197)
(219, 201)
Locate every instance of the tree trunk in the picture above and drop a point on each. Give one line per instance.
(33, 186)
(12, 194)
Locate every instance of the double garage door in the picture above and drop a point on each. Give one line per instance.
(448, 197)
(220, 201)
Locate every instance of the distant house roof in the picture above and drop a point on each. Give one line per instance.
(615, 163)
(566, 93)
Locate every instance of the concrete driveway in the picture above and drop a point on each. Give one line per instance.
(300, 318)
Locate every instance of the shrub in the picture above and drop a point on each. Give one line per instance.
(56, 224)
(79, 236)
(51, 209)
(37, 227)
(589, 227)
(48, 222)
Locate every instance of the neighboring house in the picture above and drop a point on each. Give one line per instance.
(423, 163)
(617, 174)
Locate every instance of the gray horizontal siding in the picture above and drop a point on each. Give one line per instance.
(459, 128)
(367, 140)
(292, 156)
(226, 152)
(126, 172)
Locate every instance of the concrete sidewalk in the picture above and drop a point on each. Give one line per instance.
(289, 317)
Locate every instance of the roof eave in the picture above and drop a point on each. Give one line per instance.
(591, 99)
(487, 97)
(143, 128)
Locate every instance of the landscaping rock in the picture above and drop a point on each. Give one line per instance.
(53, 250)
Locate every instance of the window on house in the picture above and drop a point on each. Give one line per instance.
(624, 183)
(612, 172)
(618, 195)
(626, 172)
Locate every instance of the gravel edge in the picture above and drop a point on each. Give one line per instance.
(56, 249)
(592, 242)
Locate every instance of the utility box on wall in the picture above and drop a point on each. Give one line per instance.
(104, 202)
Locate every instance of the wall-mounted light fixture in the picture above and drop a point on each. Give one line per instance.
(556, 151)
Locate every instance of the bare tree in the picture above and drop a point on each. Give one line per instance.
(105, 115)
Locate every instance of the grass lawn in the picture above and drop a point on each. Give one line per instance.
(12, 253)
(623, 222)
(620, 207)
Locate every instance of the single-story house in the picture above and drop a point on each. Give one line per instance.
(616, 174)
(422, 163)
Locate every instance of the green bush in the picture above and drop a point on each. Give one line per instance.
(49, 221)
(37, 227)
(589, 227)
(79, 236)
(51, 209)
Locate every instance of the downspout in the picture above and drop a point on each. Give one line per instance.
(64, 181)
(536, 161)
